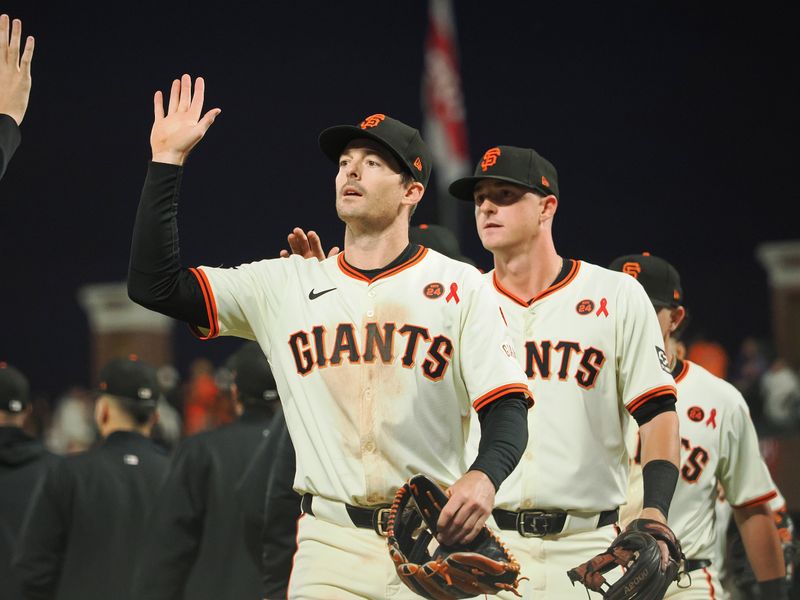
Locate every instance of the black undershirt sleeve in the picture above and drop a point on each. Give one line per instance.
(156, 279)
(9, 140)
(504, 437)
(652, 408)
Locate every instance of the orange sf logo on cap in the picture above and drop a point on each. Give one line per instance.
(490, 158)
(632, 268)
(372, 121)
(418, 164)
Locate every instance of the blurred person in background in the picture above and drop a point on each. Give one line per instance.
(72, 428)
(22, 463)
(710, 355)
(15, 86)
(82, 531)
(200, 398)
(749, 366)
(195, 547)
(780, 394)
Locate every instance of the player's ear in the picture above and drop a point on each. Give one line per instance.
(549, 205)
(413, 193)
(676, 318)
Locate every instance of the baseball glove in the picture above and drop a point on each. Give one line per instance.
(638, 552)
(484, 566)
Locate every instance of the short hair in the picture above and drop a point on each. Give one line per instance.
(140, 412)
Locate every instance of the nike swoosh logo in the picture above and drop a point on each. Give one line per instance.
(312, 295)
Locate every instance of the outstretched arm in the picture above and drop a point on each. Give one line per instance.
(15, 86)
(156, 279)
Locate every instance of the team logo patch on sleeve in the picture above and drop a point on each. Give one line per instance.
(662, 358)
(696, 414)
(433, 290)
(584, 307)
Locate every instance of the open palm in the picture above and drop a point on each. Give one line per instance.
(175, 133)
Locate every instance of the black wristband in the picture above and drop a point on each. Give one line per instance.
(774, 589)
(659, 478)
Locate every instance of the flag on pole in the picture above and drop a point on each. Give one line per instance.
(445, 128)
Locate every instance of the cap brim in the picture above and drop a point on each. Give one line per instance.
(463, 188)
(332, 142)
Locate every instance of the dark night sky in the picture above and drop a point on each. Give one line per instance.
(673, 127)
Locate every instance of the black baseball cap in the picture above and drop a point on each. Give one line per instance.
(523, 166)
(252, 375)
(14, 389)
(130, 379)
(403, 141)
(439, 238)
(659, 279)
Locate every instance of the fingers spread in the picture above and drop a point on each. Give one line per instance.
(158, 105)
(316, 245)
(13, 48)
(27, 55)
(174, 96)
(196, 106)
(186, 93)
(3, 35)
(334, 251)
(208, 119)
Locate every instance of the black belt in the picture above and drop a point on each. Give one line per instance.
(695, 564)
(376, 519)
(539, 523)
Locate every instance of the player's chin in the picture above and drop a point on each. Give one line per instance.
(492, 238)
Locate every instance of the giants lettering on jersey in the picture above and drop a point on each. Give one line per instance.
(547, 357)
(376, 342)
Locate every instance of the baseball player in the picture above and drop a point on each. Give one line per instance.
(380, 354)
(15, 86)
(718, 445)
(592, 351)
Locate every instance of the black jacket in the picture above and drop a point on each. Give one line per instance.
(22, 463)
(82, 531)
(271, 508)
(194, 547)
(9, 140)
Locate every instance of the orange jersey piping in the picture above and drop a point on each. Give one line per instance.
(757, 501)
(573, 272)
(355, 274)
(211, 306)
(503, 390)
(649, 395)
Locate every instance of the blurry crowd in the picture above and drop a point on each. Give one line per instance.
(767, 381)
(198, 401)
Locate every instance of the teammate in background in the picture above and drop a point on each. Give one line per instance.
(592, 351)
(271, 508)
(83, 530)
(380, 354)
(15, 86)
(718, 444)
(193, 548)
(22, 463)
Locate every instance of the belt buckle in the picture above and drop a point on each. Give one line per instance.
(378, 516)
(538, 521)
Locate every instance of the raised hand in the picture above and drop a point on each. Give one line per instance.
(175, 134)
(15, 74)
(307, 246)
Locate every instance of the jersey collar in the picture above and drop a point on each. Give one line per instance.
(408, 258)
(569, 270)
(680, 370)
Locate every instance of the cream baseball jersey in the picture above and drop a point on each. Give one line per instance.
(718, 444)
(378, 377)
(592, 351)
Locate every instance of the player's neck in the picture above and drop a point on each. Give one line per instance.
(373, 250)
(526, 274)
